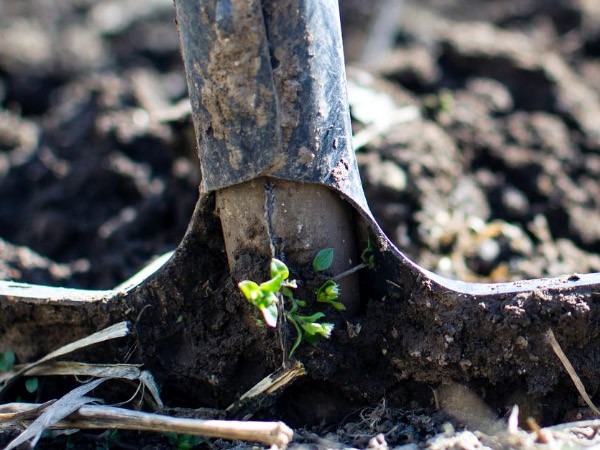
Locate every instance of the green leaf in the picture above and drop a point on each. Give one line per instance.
(279, 269)
(268, 307)
(272, 286)
(328, 293)
(7, 360)
(323, 260)
(171, 436)
(184, 441)
(31, 384)
(367, 256)
(270, 315)
(313, 329)
(312, 318)
(339, 306)
(264, 300)
(251, 291)
(312, 339)
(279, 274)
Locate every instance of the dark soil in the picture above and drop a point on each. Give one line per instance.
(490, 172)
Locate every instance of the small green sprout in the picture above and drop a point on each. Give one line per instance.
(31, 384)
(323, 260)
(328, 293)
(367, 256)
(277, 293)
(265, 300)
(446, 101)
(264, 296)
(312, 328)
(7, 360)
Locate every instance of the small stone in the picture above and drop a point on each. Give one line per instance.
(515, 202)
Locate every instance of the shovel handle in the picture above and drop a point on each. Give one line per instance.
(267, 86)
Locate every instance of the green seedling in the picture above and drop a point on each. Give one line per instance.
(367, 256)
(265, 296)
(329, 293)
(277, 295)
(307, 327)
(323, 260)
(7, 360)
(31, 384)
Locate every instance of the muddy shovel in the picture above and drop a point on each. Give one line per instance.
(267, 87)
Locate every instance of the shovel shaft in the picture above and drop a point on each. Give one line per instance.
(266, 80)
(268, 92)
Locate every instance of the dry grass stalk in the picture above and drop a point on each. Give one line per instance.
(109, 417)
(269, 385)
(120, 371)
(53, 413)
(571, 371)
(118, 330)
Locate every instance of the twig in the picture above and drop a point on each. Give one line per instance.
(570, 370)
(349, 271)
(268, 386)
(100, 417)
(130, 372)
(540, 434)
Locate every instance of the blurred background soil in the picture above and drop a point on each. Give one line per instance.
(477, 128)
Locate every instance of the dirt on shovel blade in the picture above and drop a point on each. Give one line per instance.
(480, 158)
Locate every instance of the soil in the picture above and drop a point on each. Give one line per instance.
(479, 155)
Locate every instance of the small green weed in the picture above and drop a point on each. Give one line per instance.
(184, 441)
(7, 360)
(328, 293)
(31, 384)
(323, 260)
(367, 256)
(277, 295)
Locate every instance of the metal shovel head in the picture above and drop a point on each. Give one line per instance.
(268, 91)
(267, 86)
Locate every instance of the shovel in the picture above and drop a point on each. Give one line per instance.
(267, 88)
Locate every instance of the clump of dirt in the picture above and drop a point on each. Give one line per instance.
(486, 169)
(499, 173)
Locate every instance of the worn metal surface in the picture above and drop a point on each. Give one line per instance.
(267, 85)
